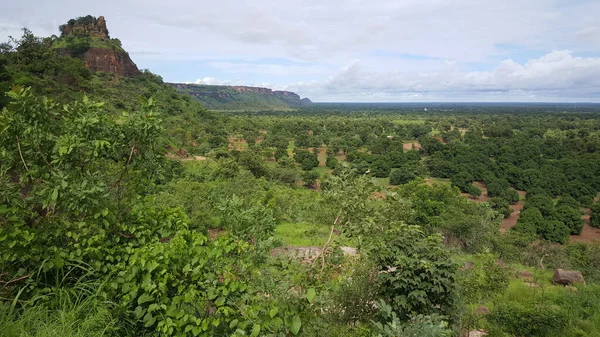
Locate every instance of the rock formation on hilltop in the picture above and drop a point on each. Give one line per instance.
(87, 25)
(223, 97)
(88, 38)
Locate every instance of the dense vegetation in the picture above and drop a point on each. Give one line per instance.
(128, 209)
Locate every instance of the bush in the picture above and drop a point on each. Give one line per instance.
(571, 217)
(331, 162)
(380, 168)
(530, 220)
(473, 190)
(567, 200)
(511, 196)
(405, 249)
(310, 178)
(595, 217)
(501, 206)
(401, 177)
(543, 203)
(554, 231)
(529, 320)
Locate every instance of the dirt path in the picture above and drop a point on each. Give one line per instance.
(589, 233)
(407, 146)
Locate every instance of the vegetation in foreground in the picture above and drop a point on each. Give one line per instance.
(110, 226)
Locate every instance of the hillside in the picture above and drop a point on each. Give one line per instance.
(222, 97)
(88, 38)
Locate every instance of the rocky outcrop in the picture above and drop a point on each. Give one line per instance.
(106, 55)
(566, 277)
(110, 61)
(241, 97)
(86, 26)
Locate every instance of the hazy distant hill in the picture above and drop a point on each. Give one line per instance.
(222, 97)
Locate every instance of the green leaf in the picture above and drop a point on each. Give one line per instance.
(220, 301)
(149, 320)
(273, 312)
(255, 330)
(296, 324)
(311, 294)
(233, 324)
(144, 298)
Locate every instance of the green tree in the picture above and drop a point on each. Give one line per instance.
(380, 168)
(501, 206)
(400, 177)
(570, 217)
(405, 253)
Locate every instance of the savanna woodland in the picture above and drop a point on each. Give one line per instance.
(127, 209)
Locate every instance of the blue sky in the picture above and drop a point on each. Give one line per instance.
(379, 50)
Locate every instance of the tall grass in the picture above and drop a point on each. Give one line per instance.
(73, 311)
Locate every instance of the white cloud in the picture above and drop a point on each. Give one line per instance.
(211, 81)
(445, 40)
(556, 75)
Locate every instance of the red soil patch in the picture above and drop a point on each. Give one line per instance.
(589, 233)
(378, 196)
(237, 144)
(322, 155)
(440, 139)
(216, 232)
(341, 157)
(512, 219)
(484, 196)
(409, 145)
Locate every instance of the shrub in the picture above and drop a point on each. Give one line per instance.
(380, 168)
(543, 203)
(400, 177)
(554, 231)
(511, 196)
(595, 216)
(529, 320)
(331, 162)
(571, 217)
(501, 206)
(413, 255)
(530, 220)
(310, 178)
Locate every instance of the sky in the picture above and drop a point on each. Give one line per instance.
(353, 51)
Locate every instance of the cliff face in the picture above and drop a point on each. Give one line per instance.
(110, 61)
(103, 53)
(222, 97)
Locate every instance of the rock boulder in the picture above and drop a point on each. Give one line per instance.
(566, 277)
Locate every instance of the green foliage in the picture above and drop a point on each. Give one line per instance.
(485, 280)
(415, 272)
(400, 177)
(380, 168)
(554, 231)
(69, 314)
(595, 216)
(530, 220)
(501, 206)
(529, 319)
(310, 178)
(570, 217)
(331, 162)
(543, 203)
(421, 325)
